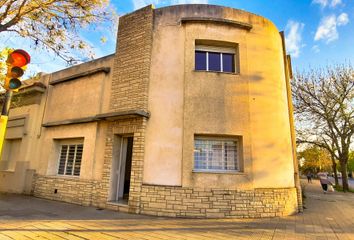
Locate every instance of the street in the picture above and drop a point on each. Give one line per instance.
(327, 216)
(350, 181)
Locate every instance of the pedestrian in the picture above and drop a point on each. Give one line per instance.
(309, 177)
(324, 183)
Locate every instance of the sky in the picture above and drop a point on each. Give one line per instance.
(318, 32)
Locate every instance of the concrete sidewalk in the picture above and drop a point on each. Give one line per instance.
(327, 216)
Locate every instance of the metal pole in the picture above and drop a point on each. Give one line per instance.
(4, 117)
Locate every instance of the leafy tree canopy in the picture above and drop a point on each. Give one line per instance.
(55, 24)
(314, 160)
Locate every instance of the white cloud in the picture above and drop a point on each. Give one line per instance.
(327, 30)
(335, 3)
(293, 39)
(315, 49)
(342, 19)
(325, 3)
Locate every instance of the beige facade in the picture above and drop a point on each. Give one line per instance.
(130, 123)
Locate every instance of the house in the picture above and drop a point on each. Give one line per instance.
(191, 117)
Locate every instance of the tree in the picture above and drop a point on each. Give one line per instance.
(323, 103)
(54, 24)
(3, 56)
(314, 160)
(351, 163)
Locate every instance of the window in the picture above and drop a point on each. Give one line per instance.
(70, 159)
(215, 154)
(11, 153)
(215, 59)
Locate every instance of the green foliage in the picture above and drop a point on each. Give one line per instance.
(3, 56)
(314, 160)
(55, 25)
(351, 162)
(339, 188)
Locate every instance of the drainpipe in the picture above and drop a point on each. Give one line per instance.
(288, 76)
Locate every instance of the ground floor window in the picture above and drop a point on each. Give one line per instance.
(11, 153)
(70, 159)
(215, 154)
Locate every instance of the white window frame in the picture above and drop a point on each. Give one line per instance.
(222, 140)
(207, 49)
(69, 143)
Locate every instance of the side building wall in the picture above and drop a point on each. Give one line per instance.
(21, 139)
(76, 96)
(129, 78)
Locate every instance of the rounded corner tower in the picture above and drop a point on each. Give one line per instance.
(217, 141)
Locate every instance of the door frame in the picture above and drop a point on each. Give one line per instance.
(119, 154)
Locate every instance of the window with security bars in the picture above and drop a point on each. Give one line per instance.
(70, 159)
(215, 155)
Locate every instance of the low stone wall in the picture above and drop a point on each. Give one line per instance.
(72, 190)
(217, 203)
(175, 201)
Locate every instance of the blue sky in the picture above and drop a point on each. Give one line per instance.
(318, 32)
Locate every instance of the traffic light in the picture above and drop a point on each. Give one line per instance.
(16, 64)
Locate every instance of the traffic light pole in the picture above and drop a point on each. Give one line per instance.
(16, 63)
(4, 117)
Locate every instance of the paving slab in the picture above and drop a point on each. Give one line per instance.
(327, 216)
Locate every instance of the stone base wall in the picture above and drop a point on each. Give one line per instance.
(68, 189)
(217, 203)
(176, 201)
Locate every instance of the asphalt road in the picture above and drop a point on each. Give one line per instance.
(350, 181)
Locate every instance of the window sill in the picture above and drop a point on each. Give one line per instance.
(8, 171)
(228, 73)
(65, 176)
(219, 172)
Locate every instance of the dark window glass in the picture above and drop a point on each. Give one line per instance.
(77, 165)
(200, 60)
(228, 61)
(70, 161)
(62, 161)
(214, 62)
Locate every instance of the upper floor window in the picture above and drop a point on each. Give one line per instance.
(215, 59)
(70, 158)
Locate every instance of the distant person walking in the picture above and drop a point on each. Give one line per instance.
(325, 183)
(309, 177)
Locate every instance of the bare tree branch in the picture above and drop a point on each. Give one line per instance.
(323, 103)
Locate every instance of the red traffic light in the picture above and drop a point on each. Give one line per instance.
(19, 58)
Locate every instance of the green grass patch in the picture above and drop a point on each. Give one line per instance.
(339, 188)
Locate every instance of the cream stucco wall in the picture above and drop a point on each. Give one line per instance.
(251, 105)
(14, 171)
(81, 97)
(51, 148)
